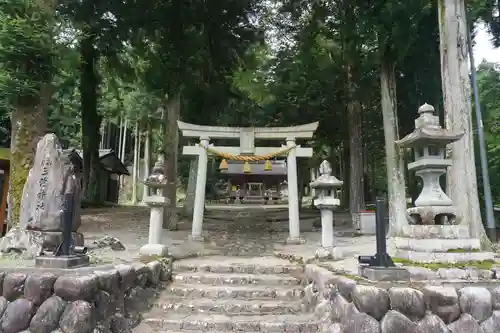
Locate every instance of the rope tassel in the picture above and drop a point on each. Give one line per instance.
(223, 165)
(247, 168)
(268, 166)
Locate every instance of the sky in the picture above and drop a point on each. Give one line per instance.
(483, 48)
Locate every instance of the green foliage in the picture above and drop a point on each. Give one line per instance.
(26, 50)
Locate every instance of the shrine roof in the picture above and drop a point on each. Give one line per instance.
(110, 161)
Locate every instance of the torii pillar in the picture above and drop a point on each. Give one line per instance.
(247, 136)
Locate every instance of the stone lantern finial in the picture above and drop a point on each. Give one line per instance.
(426, 108)
(325, 168)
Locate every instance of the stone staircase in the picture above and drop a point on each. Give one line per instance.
(231, 294)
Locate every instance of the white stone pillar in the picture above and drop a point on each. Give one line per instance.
(313, 177)
(327, 239)
(154, 247)
(293, 195)
(199, 198)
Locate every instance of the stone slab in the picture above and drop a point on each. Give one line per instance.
(384, 273)
(442, 257)
(62, 262)
(436, 244)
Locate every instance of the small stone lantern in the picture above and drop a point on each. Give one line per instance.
(428, 142)
(326, 187)
(156, 181)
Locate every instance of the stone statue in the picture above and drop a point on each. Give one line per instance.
(40, 221)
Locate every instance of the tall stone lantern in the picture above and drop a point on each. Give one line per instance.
(325, 187)
(435, 232)
(157, 182)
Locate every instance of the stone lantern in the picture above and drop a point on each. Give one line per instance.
(428, 142)
(326, 187)
(157, 182)
(434, 232)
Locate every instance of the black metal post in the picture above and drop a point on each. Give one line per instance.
(381, 258)
(68, 223)
(380, 214)
(65, 248)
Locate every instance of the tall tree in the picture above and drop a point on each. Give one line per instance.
(27, 53)
(461, 180)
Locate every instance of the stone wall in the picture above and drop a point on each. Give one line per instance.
(106, 301)
(345, 306)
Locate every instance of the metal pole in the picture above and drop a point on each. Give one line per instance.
(67, 224)
(380, 227)
(490, 220)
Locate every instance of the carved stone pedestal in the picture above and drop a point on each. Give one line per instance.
(438, 243)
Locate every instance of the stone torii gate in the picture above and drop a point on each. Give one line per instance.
(247, 136)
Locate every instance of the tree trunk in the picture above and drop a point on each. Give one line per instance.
(91, 120)
(120, 137)
(29, 124)
(170, 219)
(136, 163)
(461, 177)
(102, 131)
(393, 155)
(124, 147)
(147, 158)
(356, 188)
(346, 175)
(191, 188)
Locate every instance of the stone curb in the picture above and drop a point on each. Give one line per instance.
(344, 306)
(104, 300)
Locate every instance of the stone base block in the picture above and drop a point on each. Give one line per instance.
(436, 244)
(196, 238)
(367, 223)
(384, 273)
(154, 250)
(295, 240)
(62, 262)
(442, 257)
(329, 253)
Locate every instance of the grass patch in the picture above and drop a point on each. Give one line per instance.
(486, 264)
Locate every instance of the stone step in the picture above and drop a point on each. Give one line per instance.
(235, 279)
(294, 270)
(245, 292)
(163, 320)
(230, 307)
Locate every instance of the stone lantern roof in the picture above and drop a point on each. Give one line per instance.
(428, 131)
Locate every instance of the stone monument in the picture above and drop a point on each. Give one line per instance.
(435, 233)
(325, 186)
(40, 221)
(157, 202)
